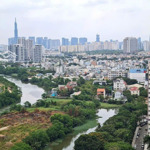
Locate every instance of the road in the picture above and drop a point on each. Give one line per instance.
(139, 139)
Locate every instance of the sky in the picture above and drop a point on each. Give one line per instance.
(112, 19)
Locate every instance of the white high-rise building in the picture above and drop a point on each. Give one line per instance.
(53, 44)
(38, 53)
(146, 45)
(19, 51)
(28, 45)
(130, 44)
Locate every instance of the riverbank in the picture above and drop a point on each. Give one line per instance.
(87, 125)
(90, 126)
(109, 106)
(23, 126)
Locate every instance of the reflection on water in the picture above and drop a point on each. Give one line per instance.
(68, 141)
(30, 92)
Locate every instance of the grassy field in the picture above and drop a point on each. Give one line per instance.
(89, 124)
(59, 101)
(107, 106)
(16, 134)
(52, 108)
(19, 125)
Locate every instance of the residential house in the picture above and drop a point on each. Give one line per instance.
(134, 91)
(72, 84)
(118, 95)
(101, 92)
(119, 84)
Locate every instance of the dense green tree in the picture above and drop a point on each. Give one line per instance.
(80, 81)
(130, 81)
(66, 120)
(21, 146)
(56, 131)
(89, 142)
(143, 92)
(67, 80)
(118, 146)
(37, 139)
(27, 104)
(101, 97)
(127, 93)
(124, 134)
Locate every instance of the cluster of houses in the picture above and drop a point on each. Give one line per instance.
(69, 86)
(119, 85)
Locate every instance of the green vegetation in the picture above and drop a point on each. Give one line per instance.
(9, 93)
(87, 125)
(117, 132)
(130, 81)
(24, 73)
(21, 146)
(37, 139)
(77, 113)
(88, 90)
(143, 92)
(89, 142)
(108, 106)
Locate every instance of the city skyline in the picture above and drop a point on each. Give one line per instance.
(110, 18)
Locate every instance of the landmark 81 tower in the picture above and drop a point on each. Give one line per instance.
(15, 32)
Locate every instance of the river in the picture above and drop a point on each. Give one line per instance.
(68, 142)
(30, 92)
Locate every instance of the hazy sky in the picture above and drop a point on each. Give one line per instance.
(112, 19)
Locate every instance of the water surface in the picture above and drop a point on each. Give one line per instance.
(30, 92)
(68, 142)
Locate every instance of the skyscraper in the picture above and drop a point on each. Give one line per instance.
(82, 40)
(15, 32)
(97, 38)
(74, 41)
(130, 44)
(45, 42)
(37, 53)
(19, 52)
(146, 45)
(53, 44)
(39, 40)
(65, 41)
(32, 38)
(139, 43)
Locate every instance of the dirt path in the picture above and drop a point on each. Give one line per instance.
(4, 128)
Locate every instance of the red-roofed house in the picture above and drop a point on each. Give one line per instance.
(134, 91)
(101, 92)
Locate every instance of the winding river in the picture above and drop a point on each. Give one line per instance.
(32, 93)
(68, 141)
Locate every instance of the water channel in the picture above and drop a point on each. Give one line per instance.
(68, 141)
(32, 93)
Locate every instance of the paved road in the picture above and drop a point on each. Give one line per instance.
(139, 139)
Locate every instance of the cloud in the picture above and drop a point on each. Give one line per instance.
(58, 18)
(95, 3)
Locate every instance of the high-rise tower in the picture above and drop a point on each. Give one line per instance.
(97, 38)
(15, 32)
